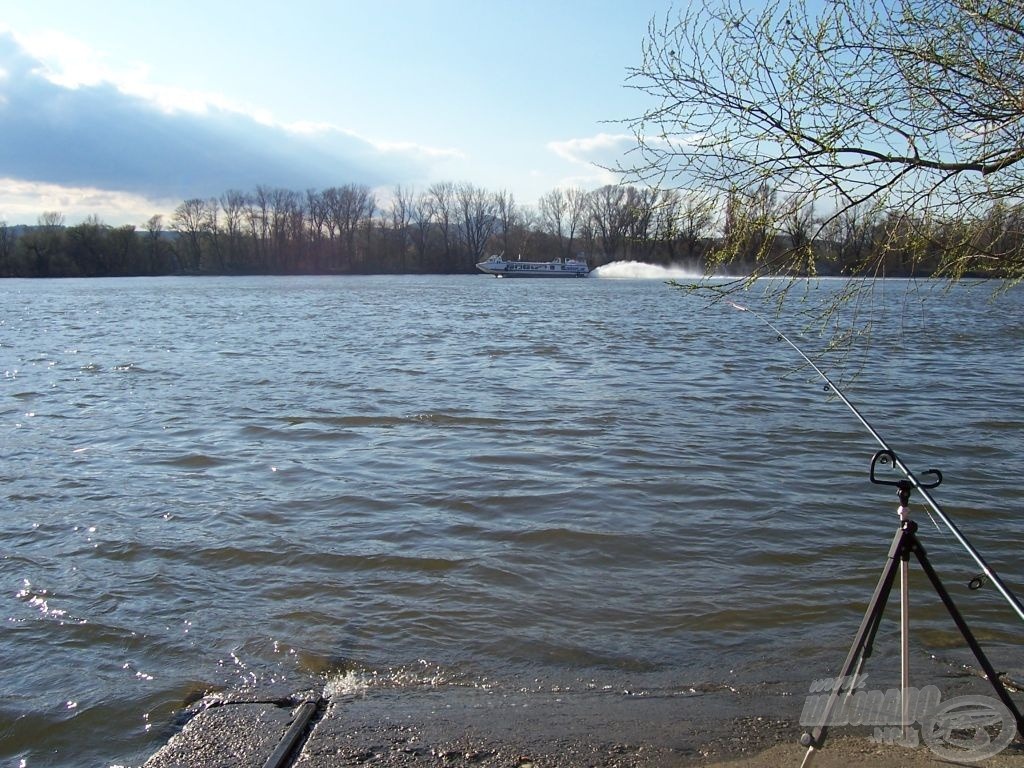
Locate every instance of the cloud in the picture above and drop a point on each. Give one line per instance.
(603, 149)
(594, 156)
(66, 119)
(326, 132)
(24, 201)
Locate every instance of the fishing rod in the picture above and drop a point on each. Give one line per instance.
(890, 454)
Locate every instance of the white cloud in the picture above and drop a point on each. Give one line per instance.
(592, 158)
(603, 149)
(64, 60)
(325, 131)
(68, 62)
(419, 150)
(22, 202)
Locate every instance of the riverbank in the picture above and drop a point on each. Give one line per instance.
(480, 728)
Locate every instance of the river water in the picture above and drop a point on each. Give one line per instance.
(217, 483)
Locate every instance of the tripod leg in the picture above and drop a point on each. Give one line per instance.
(815, 741)
(905, 643)
(958, 619)
(861, 648)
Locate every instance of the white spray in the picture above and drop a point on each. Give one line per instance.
(637, 270)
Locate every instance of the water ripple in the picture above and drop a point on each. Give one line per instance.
(291, 481)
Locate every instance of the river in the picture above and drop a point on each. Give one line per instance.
(601, 484)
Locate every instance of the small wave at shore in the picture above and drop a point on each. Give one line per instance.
(638, 270)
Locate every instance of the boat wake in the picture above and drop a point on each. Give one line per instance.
(638, 270)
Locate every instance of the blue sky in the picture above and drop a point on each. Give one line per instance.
(124, 109)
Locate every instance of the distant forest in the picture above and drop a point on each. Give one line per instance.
(449, 227)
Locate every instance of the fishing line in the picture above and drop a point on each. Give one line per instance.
(890, 454)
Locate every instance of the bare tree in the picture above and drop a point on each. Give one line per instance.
(257, 219)
(191, 221)
(609, 217)
(51, 220)
(123, 250)
(552, 209)
(86, 247)
(44, 246)
(154, 230)
(911, 107)
(639, 215)
(400, 214)
(283, 203)
(575, 216)
(696, 218)
(799, 224)
(6, 248)
(420, 217)
(212, 235)
(368, 223)
(507, 218)
(847, 239)
(297, 243)
(440, 200)
(232, 203)
(349, 208)
(477, 220)
(317, 216)
(749, 227)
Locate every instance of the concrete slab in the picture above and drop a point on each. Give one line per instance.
(233, 734)
(473, 728)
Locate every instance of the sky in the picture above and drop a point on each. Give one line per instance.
(122, 110)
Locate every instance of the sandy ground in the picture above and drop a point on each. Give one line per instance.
(854, 752)
(860, 752)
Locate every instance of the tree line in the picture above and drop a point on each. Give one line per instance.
(449, 227)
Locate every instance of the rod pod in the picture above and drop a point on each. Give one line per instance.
(905, 543)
